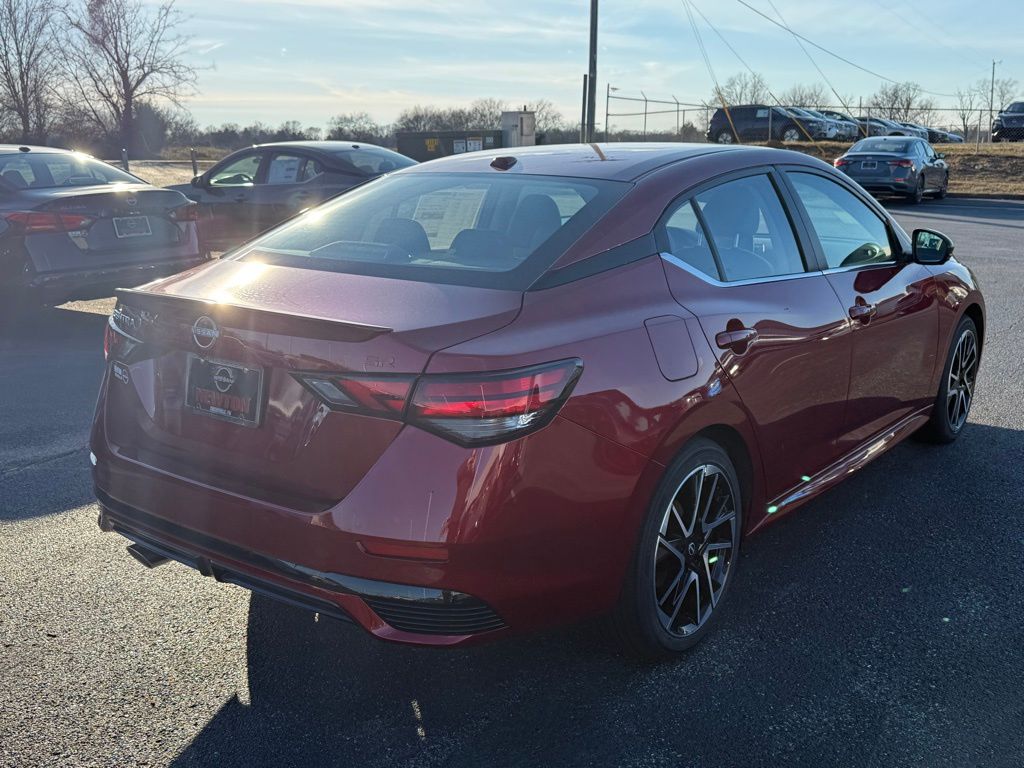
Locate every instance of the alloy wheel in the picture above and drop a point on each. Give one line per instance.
(725, 138)
(960, 385)
(791, 134)
(694, 551)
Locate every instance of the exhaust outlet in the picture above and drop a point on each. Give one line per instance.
(148, 557)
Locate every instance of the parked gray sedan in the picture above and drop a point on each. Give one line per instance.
(896, 165)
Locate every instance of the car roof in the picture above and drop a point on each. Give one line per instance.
(616, 161)
(323, 146)
(12, 148)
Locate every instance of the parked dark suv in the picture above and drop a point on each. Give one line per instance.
(757, 122)
(1009, 123)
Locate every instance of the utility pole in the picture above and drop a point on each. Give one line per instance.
(591, 102)
(992, 92)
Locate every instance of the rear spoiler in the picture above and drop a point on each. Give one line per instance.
(166, 312)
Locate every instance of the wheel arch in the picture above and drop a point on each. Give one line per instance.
(976, 314)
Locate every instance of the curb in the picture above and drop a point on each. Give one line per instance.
(968, 195)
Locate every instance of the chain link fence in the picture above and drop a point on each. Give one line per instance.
(655, 119)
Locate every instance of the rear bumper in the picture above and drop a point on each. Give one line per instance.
(886, 186)
(413, 610)
(512, 545)
(101, 281)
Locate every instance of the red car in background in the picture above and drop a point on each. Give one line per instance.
(491, 394)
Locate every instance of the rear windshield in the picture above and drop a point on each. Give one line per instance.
(371, 161)
(45, 170)
(487, 230)
(881, 145)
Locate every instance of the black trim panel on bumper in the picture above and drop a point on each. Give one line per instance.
(417, 610)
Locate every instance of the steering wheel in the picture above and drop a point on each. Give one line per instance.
(865, 254)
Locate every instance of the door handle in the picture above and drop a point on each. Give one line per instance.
(863, 311)
(737, 341)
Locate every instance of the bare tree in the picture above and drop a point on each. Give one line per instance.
(898, 101)
(27, 64)
(741, 88)
(121, 52)
(967, 103)
(548, 116)
(800, 95)
(356, 126)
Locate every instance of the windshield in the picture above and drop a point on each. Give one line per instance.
(45, 170)
(467, 229)
(881, 145)
(1017, 106)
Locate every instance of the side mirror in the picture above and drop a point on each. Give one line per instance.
(942, 155)
(198, 181)
(931, 247)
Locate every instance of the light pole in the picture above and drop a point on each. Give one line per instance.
(591, 99)
(607, 105)
(992, 92)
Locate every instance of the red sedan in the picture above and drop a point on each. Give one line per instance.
(491, 394)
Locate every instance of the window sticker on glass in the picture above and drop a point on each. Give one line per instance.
(283, 170)
(445, 213)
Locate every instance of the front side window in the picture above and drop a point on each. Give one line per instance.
(237, 173)
(749, 229)
(850, 233)
(463, 228)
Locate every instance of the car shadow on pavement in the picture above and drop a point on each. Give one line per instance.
(858, 629)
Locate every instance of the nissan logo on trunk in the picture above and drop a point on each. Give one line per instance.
(205, 332)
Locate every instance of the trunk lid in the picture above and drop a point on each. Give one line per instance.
(277, 320)
(126, 224)
(870, 165)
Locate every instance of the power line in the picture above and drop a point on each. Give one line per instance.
(822, 48)
(811, 59)
(707, 63)
(689, 4)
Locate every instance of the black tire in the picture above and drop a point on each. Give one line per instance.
(941, 192)
(639, 623)
(942, 427)
(917, 195)
(725, 137)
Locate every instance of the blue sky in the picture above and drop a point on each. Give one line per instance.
(310, 59)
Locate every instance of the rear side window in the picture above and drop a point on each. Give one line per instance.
(687, 241)
(484, 229)
(850, 233)
(371, 161)
(749, 230)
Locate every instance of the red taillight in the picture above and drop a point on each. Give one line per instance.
(111, 340)
(902, 163)
(35, 222)
(840, 162)
(187, 212)
(469, 409)
(363, 393)
(477, 409)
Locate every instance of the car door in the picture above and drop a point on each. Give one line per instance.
(227, 212)
(288, 183)
(889, 302)
(733, 260)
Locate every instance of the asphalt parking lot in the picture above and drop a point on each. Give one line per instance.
(880, 625)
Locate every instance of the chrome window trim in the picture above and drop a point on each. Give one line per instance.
(676, 261)
(852, 267)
